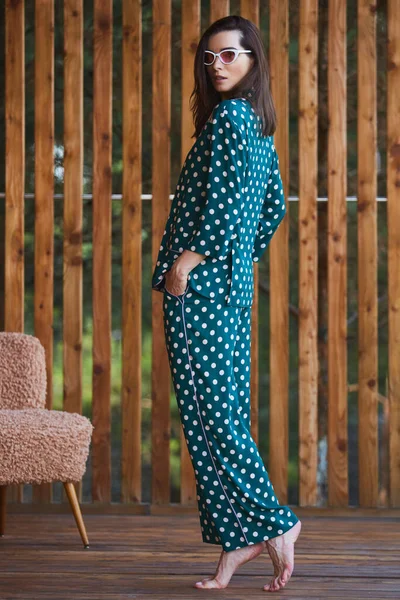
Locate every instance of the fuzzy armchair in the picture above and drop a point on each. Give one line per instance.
(37, 445)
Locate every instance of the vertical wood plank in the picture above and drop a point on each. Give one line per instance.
(279, 260)
(102, 140)
(337, 258)
(393, 220)
(44, 190)
(131, 487)
(218, 9)
(72, 210)
(2, 265)
(308, 253)
(250, 9)
(15, 176)
(161, 123)
(367, 256)
(190, 38)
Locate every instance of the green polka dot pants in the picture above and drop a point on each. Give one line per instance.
(208, 345)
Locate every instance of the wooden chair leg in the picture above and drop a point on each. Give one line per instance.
(76, 509)
(3, 508)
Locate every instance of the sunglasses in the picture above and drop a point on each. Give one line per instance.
(226, 56)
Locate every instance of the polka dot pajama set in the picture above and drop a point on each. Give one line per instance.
(227, 205)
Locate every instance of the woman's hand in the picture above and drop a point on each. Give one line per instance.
(176, 278)
(176, 281)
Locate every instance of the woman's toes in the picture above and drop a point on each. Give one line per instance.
(287, 573)
(208, 583)
(268, 586)
(200, 583)
(272, 586)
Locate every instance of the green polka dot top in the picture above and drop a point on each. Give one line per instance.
(227, 205)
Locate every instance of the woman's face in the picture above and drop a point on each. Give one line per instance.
(234, 72)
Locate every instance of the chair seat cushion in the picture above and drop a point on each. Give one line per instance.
(39, 445)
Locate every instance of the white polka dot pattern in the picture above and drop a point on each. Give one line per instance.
(272, 211)
(227, 205)
(226, 164)
(208, 346)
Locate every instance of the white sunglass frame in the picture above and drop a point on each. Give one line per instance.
(218, 54)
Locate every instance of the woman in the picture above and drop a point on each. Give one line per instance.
(227, 205)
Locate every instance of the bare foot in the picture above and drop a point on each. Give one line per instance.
(281, 551)
(227, 565)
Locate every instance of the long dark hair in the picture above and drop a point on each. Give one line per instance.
(255, 86)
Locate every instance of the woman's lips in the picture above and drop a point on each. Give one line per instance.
(219, 79)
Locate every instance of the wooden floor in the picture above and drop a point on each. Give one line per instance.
(160, 558)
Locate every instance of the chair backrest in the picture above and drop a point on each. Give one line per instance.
(23, 381)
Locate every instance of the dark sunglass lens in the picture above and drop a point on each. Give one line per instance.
(208, 58)
(227, 56)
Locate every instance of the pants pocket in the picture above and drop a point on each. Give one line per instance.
(174, 295)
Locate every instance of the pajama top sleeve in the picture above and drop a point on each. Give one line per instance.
(225, 183)
(272, 211)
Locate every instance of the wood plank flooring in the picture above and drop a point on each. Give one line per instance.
(160, 557)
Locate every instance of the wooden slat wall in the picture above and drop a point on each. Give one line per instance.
(218, 9)
(279, 260)
(367, 257)
(337, 258)
(190, 39)
(131, 485)
(102, 179)
(44, 191)
(308, 252)
(249, 9)
(15, 176)
(72, 210)
(161, 124)
(393, 220)
(132, 236)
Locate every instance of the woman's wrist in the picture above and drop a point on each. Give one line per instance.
(187, 261)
